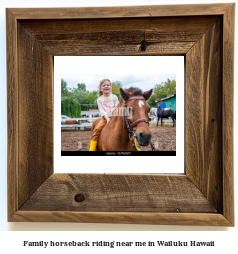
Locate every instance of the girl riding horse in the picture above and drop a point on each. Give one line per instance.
(107, 103)
(129, 123)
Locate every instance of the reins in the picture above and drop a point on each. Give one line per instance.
(131, 125)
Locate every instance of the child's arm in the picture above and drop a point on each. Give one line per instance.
(100, 107)
(102, 111)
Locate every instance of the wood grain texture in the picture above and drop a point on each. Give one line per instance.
(59, 48)
(192, 219)
(228, 113)
(190, 26)
(121, 12)
(119, 36)
(12, 117)
(204, 113)
(104, 193)
(36, 114)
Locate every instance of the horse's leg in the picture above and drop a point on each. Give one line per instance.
(157, 121)
(161, 121)
(174, 120)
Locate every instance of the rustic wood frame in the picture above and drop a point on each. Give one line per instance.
(204, 34)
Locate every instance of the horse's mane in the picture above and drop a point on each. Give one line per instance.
(134, 90)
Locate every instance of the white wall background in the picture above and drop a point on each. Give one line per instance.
(4, 226)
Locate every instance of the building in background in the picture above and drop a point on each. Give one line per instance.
(168, 102)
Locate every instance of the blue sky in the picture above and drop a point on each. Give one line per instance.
(143, 81)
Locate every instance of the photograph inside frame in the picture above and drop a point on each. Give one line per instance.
(118, 114)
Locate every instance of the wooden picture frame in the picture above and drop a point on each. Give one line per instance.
(204, 34)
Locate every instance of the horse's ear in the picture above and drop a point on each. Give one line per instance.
(124, 94)
(147, 94)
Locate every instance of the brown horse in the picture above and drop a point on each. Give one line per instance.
(115, 134)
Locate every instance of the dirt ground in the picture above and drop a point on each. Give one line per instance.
(163, 138)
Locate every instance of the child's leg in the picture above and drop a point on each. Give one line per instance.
(97, 130)
(95, 134)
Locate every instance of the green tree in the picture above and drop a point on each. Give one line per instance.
(165, 89)
(64, 88)
(80, 96)
(69, 107)
(86, 99)
(91, 98)
(116, 85)
(81, 87)
(151, 101)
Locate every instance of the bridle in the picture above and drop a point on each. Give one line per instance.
(130, 126)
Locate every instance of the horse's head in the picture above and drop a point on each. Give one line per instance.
(138, 110)
(159, 109)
